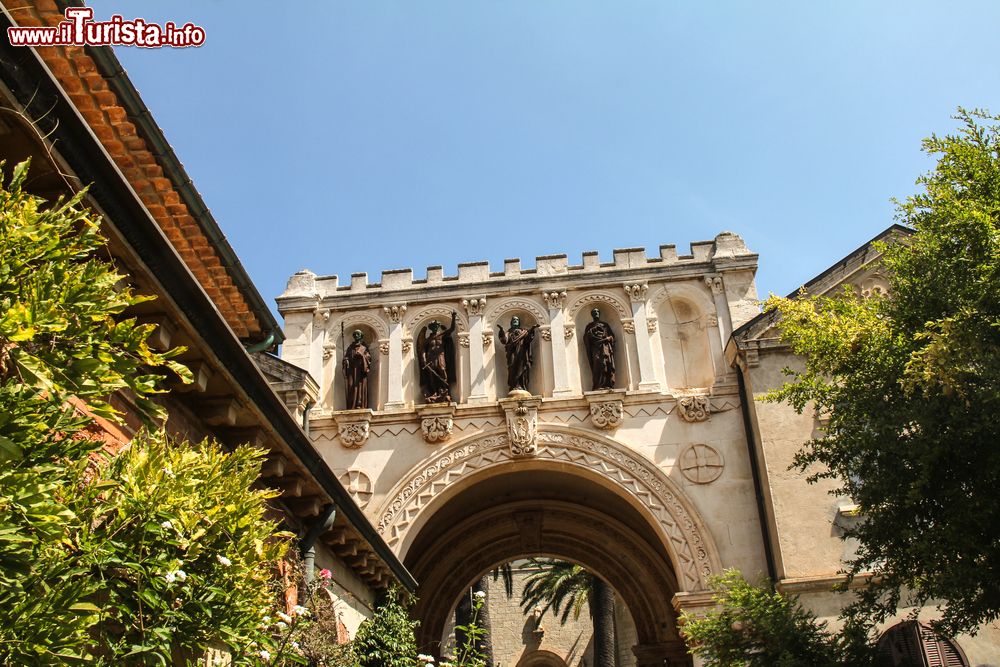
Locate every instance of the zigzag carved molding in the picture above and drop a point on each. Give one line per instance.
(689, 543)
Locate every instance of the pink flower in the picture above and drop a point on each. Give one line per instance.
(325, 574)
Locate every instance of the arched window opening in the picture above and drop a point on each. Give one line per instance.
(913, 644)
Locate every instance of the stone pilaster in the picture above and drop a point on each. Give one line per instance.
(395, 375)
(637, 294)
(475, 307)
(556, 300)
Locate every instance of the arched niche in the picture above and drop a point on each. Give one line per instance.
(340, 333)
(415, 327)
(683, 323)
(539, 377)
(612, 316)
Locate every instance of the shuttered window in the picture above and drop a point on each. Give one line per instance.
(913, 644)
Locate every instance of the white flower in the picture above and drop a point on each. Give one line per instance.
(169, 473)
(299, 610)
(281, 625)
(285, 617)
(181, 575)
(423, 657)
(223, 560)
(265, 654)
(170, 577)
(295, 645)
(481, 595)
(166, 524)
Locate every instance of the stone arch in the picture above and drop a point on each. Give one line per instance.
(591, 299)
(526, 304)
(679, 528)
(418, 318)
(541, 658)
(354, 318)
(685, 315)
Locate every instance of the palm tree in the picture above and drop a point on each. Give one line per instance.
(564, 587)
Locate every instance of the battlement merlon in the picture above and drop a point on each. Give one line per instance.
(727, 252)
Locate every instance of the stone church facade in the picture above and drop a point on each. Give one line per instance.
(656, 483)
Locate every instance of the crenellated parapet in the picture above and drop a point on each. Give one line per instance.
(669, 316)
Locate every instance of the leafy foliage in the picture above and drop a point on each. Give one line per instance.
(557, 585)
(60, 339)
(182, 548)
(757, 627)
(470, 652)
(138, 558)
(911, 383)
(386, 639)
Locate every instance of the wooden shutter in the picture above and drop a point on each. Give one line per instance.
(912, 644)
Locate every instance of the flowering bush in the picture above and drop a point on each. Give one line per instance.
(386, 639)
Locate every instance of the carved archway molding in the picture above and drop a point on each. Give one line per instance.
(684, 536)
(598, 297)
(528, 305)
(419, 318)
(371, 318)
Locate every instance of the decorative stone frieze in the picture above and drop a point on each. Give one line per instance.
(475, 306)
(694, 408)
(353, 427)
(522, 423)
(636, 291)
(436, 421)
(554, 300)
(395, 312)
(607, 412)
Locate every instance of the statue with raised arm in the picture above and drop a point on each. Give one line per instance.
(599, 340)
(437, 362)
(517, 344)
(357, 365)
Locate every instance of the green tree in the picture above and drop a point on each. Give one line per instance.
(143, 557)
(754, 626)
(911, 383)
(386, 639)
(565, 587)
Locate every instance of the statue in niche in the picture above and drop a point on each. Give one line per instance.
(437, 362)
(517, 343)
(357, 364)
(599, 340)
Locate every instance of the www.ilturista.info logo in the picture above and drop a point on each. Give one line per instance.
(80, 29)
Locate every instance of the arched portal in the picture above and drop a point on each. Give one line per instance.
(582, 498)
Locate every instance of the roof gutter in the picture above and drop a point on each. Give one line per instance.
(111, 69)
(34, 87)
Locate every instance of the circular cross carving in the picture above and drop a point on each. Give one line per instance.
(358, 484)
(689, 543)
(701, 464)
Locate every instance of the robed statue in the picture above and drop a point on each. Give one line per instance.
(517, 343)
(357, 365)
(599, 341)
(437, 362)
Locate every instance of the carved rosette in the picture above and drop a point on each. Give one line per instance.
(701, 464)
(487, 339)
(463, 339)
(694, 408)
(607, 415)
(522, 425)
(407, 345)
(554, 300)
(475, 306)
(358, 485)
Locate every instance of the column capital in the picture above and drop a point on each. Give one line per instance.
(555, 299)
(714, 282)
(395, 312)
(636, 291)
(475, 306)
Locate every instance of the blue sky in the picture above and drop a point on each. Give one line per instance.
(349, 136)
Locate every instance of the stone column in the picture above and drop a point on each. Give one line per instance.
(718, 288)
(557, 319)
(395, 376)
(475, 307)
(647, 376)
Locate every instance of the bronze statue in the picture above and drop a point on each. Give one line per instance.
(437, 362)
(357, 364)
(517, 342)
(600, 343)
